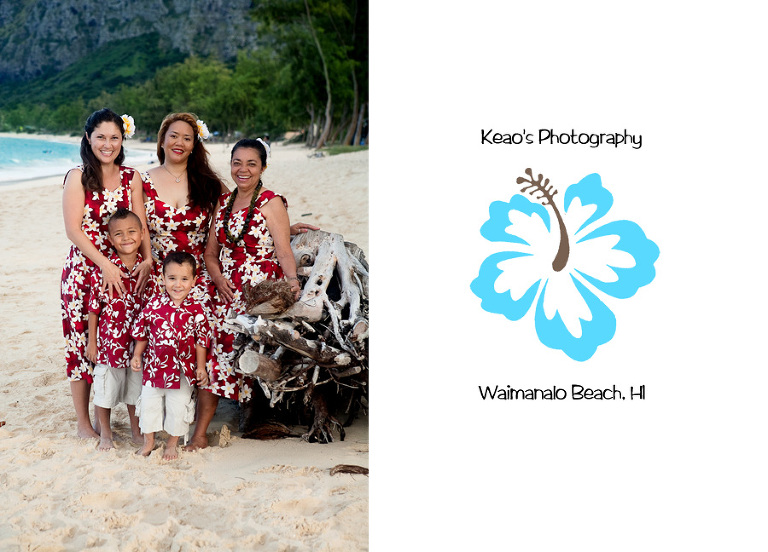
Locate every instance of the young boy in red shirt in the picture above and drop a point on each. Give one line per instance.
(176, 334)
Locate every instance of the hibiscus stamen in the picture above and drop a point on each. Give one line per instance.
(546, 193)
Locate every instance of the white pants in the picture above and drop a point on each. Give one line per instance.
(112, 386)
(169, 409)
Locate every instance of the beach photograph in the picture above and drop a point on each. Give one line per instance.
(289, 474)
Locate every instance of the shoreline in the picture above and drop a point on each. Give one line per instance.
(148, 150)
(64, 138)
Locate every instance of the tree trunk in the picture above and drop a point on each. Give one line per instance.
(352, 124)
(359, 130)
(329, 103)
(310, 140)
(336, 129)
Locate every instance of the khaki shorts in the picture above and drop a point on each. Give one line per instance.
(171, 410)
(112, 386)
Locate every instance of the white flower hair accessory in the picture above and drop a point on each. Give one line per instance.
(202, 130)
(129, 128)
(263, 143)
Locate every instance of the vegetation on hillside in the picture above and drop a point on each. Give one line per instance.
(309, 73)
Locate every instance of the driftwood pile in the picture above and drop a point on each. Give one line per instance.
(311, 353)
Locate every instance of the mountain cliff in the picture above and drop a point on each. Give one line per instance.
(42, 37)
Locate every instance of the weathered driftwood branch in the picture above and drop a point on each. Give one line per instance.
(255, 364)
(286, 335)
(320, 339)
(347, 468)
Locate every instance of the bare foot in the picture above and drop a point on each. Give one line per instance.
(105, 443)
(170, 453)
(87, 432)
(149, 444)
(196, 444)
(170, 449)
(136, 435)
(144, 451)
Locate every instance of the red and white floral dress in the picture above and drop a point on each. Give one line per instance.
(75, 278)
(251, 260)
(172, 229)
(172, 333)
(117, 315)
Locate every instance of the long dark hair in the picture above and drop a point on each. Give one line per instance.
(204, 184)
(92, 177)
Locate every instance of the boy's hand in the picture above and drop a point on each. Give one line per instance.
(136, 364)
(90, 351)
(202, 376)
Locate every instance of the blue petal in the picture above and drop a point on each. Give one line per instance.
(554, 334)
(632, 240)
(501, 303)
(591, 192)
(495, 228)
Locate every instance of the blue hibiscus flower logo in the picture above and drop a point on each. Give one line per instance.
(564, 261)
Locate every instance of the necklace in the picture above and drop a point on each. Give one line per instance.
(178, 178)
(248, 217)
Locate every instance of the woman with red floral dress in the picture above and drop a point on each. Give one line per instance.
(92, 193)
(179, 196)
(250, 243)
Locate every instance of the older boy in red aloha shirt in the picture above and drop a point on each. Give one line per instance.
(110, 320)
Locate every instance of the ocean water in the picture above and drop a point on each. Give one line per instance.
(27, 159)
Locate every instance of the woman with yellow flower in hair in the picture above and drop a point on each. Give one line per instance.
(92, 193)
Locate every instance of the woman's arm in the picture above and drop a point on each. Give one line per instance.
(278, 225)
(144, 269)
(73, 203)
(213, 266)
(302, 228)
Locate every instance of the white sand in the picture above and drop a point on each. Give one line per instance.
(60, 493)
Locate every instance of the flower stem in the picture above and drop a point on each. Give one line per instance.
(561, 259)
(546, 194)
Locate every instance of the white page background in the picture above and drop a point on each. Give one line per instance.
(683, 469)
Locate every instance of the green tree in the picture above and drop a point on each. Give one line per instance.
(325, 44)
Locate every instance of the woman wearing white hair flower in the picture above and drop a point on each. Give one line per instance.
(93, 192)
(250, 243)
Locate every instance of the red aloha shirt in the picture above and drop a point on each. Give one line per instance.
(172, 333)
(117, 315)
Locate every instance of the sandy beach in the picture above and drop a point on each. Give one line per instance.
(59, 493)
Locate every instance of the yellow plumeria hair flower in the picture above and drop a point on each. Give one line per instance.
(129, 128)
(202, 130)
